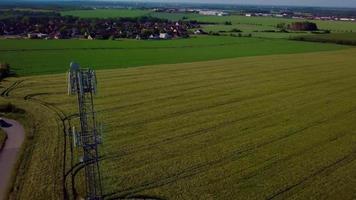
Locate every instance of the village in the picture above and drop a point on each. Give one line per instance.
(59, 27)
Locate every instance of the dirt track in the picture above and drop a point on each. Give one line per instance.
(8, 155)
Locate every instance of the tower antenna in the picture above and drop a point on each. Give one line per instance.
(82, 83)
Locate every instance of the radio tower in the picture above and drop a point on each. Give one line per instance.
(82, 82)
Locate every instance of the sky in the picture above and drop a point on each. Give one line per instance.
(328, 3)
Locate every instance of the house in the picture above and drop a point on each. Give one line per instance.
(42, 35)
(212, 13)
(346, 19)
(164, 36)
(199, 32)
(154, 37)
(37, 36)
(31, 35)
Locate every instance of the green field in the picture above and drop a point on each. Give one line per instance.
(30, 57)
(107, 13)
(267, 127)
(255, 31)
(270, 22)
(338, 38)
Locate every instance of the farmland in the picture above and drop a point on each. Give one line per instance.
(29, 57)
(266, 22)
(270, 22)
(245, 24)
(266, 127)
(338, 38)
(207, 117)
(107, 13)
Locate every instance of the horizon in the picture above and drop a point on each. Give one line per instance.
(316, 3)
(292, 3)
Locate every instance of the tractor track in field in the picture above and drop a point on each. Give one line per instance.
(345, 160)
(183, 136)
(211, 68)
(62, 122)
(256, 172)
(211, 80)
(58, 112)
(203, 167)
(218, 81)
(6, 92)
(219, 104)
(66, 124)
(244, 75)
(185, 90)
(199, 109)
(25, 160)
(132, 150)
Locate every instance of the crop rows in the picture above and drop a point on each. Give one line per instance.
(269, 127)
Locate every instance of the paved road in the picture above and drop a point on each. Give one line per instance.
(8, 155)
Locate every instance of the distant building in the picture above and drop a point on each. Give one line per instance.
(57, 37)
(153, 37)
(164, 36)
(37, 36)
(42, 35)
(347, 19)
(31, 36)
(212, 13)
(199, 32)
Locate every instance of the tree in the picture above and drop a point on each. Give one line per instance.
(4, 70)
(228, 23)
(303, 26)
(235, 30)
(282, 26)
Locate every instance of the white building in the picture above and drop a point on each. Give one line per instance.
(164, 36)
(212, 13)
(347, 19)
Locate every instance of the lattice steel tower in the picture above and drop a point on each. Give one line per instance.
(82, 82)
